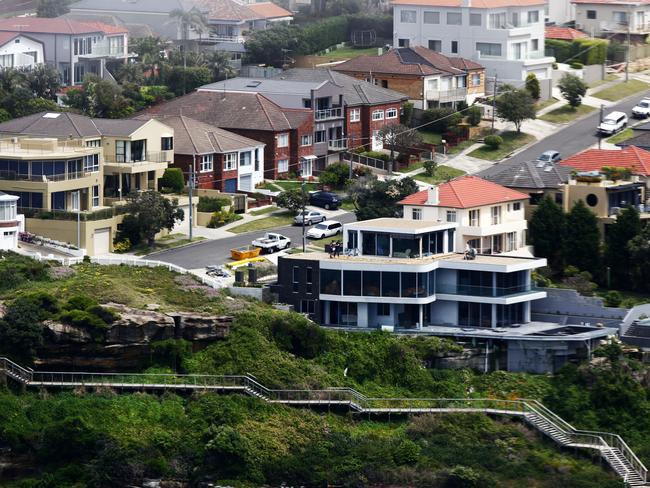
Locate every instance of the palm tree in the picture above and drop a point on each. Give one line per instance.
(218, 62)
(192, 19)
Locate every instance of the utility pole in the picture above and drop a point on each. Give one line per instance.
(302, 215)
(190, 187)
(627, 51)
(494, 101)
(600, 134)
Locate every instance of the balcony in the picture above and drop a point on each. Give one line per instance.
(103, 50)
(328, 114)
(454, 95)
(217, 38)
(484, 291)
(15, 176)
(154, 160)
(337, 144)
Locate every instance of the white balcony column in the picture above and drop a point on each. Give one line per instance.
(526, 312)
(421, 318)
(445, 242)
(493, 323)
(326, 312)
(362, 315)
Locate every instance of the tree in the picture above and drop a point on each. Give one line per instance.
(335, 175)
(21, 330)
(189, 20)
(440, 120)
(430, 168)
(218, 62)
(52, 8)
(43, 80)
(474, 115)
(272, 46)
(293, 200)
(399, 137)
(532, 86)
(149, 213)
(515, 106)
(617, 256)
(100, 98)
(373, 198)
(572, 89)
(547, 228)
(639, 249)
(179, 79)
(172, 179)
(582, 239)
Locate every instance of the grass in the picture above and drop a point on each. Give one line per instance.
(349, 52)
(411, 167)
(566, 113)
(279, 220)
(624, 135)
(546, 103)
(167, 242)
(431, 137)
(348, 205)
(511, 141)
(443, 173)
(622, 90)
(607, 79)
(460, 147)
(264, 211)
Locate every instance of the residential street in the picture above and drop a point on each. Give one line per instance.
(571, 138)
(218, 251)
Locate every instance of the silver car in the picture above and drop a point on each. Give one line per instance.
(309, 217)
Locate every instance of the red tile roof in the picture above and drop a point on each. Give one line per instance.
(473, 3)
(467, 192)
(612, 2)
(5, 37)
(563, 33)
(233, 10)
(58, 25)
(269, 10)
(631, 157)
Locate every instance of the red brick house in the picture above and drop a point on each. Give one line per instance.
(254, 116)
(222, 160)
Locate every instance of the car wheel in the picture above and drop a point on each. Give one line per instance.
(323, 219)
(327, 206)
(309, 222)
(322, 236)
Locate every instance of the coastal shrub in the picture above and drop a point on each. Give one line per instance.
(172, 180)
(335, 175)
(474, 116)
(122, 246)
(612, 298)
(222, 217)
(493, 142)
(82, 318)
(297, 335)
(576, 65)
(212, 204)
(16, 269)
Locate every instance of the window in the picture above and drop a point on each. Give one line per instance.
(383, 309)
(534, 45)
(454, 18)
(533, 16)
(305, 140)
(454, 47)
(166, 143)
(475, 19)
(384, 83)
(497, 21)
(330, 281)
(461, 81)
(592, 200)
(283, 165)
(475, 217)
(431, 17)
(435, 45)
(402, 43)
(310, 276)
(496, 215)
(320, 136)
(432, 84)
(295, 279)
(591, 14)
(96, 196)
(355, 114)
(416, 214)
(91, 163)
(516, 206)
(229, 161)
(620, 17)
(7, 60)
(408, 16)
(378, 115)
(511, 241)
(451, 216)
(308, 307)
(476, 79)
(206, 162)
(83, 46)
(94, 143)
(245, 158)
(283, 140)
(116, 45)
(559, 198)
(8, 211)
(488, 48)
(352, 283)
(519, 50)
(391, 113)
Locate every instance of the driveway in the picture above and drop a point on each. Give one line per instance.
(217, 251)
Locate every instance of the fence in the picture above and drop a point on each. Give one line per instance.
(367, 161)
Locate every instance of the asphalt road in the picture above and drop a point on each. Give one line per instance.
(217, 251)
(569, 139)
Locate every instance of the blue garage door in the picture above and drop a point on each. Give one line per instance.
(231, 185)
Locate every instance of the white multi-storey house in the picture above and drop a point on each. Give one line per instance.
(505, 36)
(490, 217)
(612, 19)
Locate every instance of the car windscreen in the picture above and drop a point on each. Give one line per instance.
(320, 226)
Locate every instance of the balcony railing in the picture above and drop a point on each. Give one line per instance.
(455, 94)
(224, 38)
(336, 144)
(104, 50)
(84, 215)
(150, 157)
(330, 113)
(14, 176)
(483, 291)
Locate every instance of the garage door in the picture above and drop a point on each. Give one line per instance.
(102, 240)
(246, 183)
(230, 185)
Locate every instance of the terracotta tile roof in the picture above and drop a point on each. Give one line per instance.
(56, 26)
(5, 37)
(563, 33)
(467, 192)
(473, 3)
(250, 111)
(631, 157)
(269, 10)
(416, 60)
(613, 2)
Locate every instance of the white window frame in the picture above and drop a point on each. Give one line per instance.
(416, 214)
(475, 217)
(408, 16)
(283, 140)
(95, 197)
(355, 114)
(473, 18)
(391, 113)
(533, 16)
(91, 163)
(511, 241)
(456, 16)
(476, 79)
(305, 140)
(431, 17)
(230, 161)
(437, 45)
(207, 163)
(491, 44)
(283, 166)
(451, 216)
(495, 213)
(94, 143)
(377, 115)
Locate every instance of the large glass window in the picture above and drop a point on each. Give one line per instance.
(330, 281)
(477, 283)
(489, 49)
(352, 283)
(497, 21)
(353, 239)
(409, 288)
(454, 18)
(371, 283)
(376, 244)
(405, 246)
(408, 16)
(389, 284)
(245, 158)
(510, 314)
(422, 287)
(475, 314)
(431, 17)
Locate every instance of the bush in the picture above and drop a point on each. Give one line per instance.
(335, 175)
(612, 299)
(122, 246)
(172, 179)
(474, 116)
(441, 120)
(377, 155)
(430, 168)
(532, 86)
(576, 65)
(493, 142)
(212, 204)
(222, 218)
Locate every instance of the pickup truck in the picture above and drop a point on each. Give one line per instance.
(272, 242)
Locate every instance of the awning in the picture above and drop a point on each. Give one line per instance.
(310, 157)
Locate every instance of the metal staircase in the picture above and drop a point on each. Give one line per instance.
(611, 447)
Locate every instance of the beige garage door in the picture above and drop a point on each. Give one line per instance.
(102, 241)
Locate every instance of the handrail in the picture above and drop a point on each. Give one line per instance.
(339, 395)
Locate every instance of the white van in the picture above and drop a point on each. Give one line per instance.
(612, 123)
(325, 229)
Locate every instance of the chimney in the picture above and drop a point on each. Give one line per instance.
(432, 196)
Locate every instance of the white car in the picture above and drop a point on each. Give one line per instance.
(309, 217)
(642, 109)
(325, 229)
(612, 123)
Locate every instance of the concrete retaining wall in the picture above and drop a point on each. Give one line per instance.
(562, 301)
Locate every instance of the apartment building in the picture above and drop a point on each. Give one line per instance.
(611, 19)
(489, 217)
(286, 133)
(504, 36)
(368, 108)
(220, 159)
(430, 79)
(73, 48)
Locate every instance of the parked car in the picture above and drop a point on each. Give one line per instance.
(642, 109)
(550, 157)
(309, 217)
(325, 199)
(325, 229)
(613, 123)
(272, 242)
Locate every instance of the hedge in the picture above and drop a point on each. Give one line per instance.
(568, 51)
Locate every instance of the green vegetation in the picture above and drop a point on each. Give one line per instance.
(280, 185)
(431, 137)
(621, 90)
(335, 175)
(264, 210)
(607, 79)
(566, 113)
(373, 198)
(515, 106)
(172, 181)
(348, 53)
(441, 174)
(280, 219)
(585, 51)
(212, 204)
(170, 241)
(511, 142)
(541, 105)
(624, 135)
(573, 89)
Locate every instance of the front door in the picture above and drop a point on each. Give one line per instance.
(230, 185)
